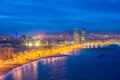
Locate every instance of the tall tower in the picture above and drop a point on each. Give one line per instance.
(83, 35)
(16, 36)
(76, 36)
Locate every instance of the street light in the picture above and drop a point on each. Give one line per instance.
(37, 44)
(30, 44)
(26, 44)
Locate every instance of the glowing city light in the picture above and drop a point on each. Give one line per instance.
(30, 44)
(26, 44)
(37, 44)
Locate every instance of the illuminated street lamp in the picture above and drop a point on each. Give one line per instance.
(37, 44)
(30, 44)
(26, 44)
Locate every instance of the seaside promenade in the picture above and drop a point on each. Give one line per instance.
(28, 56)
(35, 54)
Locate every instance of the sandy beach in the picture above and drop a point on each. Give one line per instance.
(9, 67)
(27, 57)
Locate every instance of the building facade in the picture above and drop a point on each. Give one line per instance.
(76, 36)
(6, 53)
(83, 35)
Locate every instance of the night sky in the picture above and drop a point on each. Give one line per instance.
(24, 16)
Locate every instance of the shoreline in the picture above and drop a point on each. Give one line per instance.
(27, 57)
(20, 66)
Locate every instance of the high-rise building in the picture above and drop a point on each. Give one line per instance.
(22, 38)
(83, 35)
(76, 36)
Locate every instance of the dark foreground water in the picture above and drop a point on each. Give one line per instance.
(80, 65)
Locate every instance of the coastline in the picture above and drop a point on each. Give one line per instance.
(15, 67)
(27, 57)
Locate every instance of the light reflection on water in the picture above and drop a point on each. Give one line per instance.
(37, 69)
(29, 69)
(17, 73)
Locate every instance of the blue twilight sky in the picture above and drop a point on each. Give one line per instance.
(59, 15)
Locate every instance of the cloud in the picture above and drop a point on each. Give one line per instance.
(59, 13)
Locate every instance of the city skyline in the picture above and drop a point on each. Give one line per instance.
(59, 39)
(24, 16)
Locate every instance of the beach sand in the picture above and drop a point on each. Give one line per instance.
(9, 67)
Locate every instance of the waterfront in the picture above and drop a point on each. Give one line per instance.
(80, 65)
